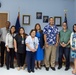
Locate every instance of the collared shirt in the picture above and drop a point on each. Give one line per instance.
(64, 36)
(4, 31)
(31, 42)
(9, 41)
(51, 33)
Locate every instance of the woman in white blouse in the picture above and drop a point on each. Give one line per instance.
(10, 48)
(31, 47)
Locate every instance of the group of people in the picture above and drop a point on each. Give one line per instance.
(38, 47)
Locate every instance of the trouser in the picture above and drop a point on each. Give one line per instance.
(2, 53)
(30, 60)
(10, 58)
(66, 52)
(50, 56)
(20, 59)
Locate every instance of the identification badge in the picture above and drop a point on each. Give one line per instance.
(22, 40)
(63, 43)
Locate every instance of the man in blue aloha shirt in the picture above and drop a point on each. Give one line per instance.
(51, 35)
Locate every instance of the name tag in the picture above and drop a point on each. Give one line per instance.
(22, 41)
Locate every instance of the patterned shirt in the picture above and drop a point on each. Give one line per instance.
(73, 39)
(51, 32)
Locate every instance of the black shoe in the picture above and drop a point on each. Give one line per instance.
(47, 68)
(32, 71)
(67, 68)
(7, 68)
(53, 68)
(12, 67)
(29, 71)
(59, 67)
(39, 67)
(1, 65)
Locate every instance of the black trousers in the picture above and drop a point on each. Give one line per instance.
(30, 58)
(10, 58)
(2, 53)
(66, 52)
(20, 59)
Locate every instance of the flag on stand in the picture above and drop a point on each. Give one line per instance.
(17, 25)
(65, 19)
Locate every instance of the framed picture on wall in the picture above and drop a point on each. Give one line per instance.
(57, 20)
(26, 19)
(45, 19)
(38, 15)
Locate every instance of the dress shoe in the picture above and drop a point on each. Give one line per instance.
(29, 71)
(67, 68)
(53, 68)
(32, 71)
(47, 68)
(1, 65)
(12, 67)
(59, 67)
(7, 68)
(39, 67)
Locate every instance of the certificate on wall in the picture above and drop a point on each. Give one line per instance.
(26, 19)
(57, 21)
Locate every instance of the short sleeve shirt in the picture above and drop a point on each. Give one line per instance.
(65, 36)
(51, 33)
(31, 43)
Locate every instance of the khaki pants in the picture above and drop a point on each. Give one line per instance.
(50, 56)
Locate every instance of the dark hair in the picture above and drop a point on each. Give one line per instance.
(39, 26)
(11, 28)
(50, 18)
(23, 33)
(8, 22)
(32, 31)
(73, 28)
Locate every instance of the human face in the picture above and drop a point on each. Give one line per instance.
(37, 27)
(64, 26)
(33, 33)
(51, 21)
(12, 29)
(74, 28)
(7, 24)
(21, 31)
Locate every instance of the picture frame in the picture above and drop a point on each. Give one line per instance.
(45, 19)
(38, 15)
(26, 20)
(57, 20)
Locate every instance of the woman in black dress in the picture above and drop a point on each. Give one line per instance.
(20, 47)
